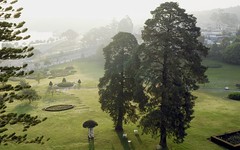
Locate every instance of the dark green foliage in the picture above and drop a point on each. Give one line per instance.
(50, 84)
(232, 53)
(171, 56)
(50, 88)
(117, 86)
(38, 75)
(215, 51)
(10, 32)
(64, 80)
(234, 96)
(65, 84)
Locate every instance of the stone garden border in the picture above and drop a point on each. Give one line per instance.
(220, 141)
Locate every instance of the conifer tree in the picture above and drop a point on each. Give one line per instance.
(171, 67)
(117, 86)
(11, 31)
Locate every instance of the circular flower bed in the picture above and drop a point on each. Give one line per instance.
(58, 107)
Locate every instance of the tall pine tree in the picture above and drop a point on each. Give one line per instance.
(171, 67)
(10, 32)
(117, 86)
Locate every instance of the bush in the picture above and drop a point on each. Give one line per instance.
(231, 54)
(65, 84)
(64, 80)
(234, 96)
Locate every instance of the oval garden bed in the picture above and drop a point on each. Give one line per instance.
(228, 140)
(58, 107)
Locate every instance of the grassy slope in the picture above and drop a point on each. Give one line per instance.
(214, 114)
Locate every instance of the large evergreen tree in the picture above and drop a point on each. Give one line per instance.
(116, 87)
(11, 31)
(171, 68)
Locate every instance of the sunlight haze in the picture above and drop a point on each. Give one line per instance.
(85, 14)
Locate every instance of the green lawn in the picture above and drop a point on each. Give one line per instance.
(214, 114)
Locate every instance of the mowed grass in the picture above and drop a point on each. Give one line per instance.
(214, 115)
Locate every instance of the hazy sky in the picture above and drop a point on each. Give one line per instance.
(88, 12)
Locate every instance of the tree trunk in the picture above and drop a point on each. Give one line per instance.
(163, 138)
(119, 125)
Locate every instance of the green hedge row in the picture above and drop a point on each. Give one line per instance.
(234, 96)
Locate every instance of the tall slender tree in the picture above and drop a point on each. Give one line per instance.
(171, 67)
(11, 31)
(116, 87)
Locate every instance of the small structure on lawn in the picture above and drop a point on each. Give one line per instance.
(90, 124)
(226, 88)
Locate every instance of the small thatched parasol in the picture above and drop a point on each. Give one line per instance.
(90, 124)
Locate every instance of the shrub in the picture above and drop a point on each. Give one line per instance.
(65, 84)
(64, 80)
(234, 96)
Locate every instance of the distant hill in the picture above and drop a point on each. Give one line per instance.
(204, 17)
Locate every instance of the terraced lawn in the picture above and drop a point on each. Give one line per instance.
(214, 114)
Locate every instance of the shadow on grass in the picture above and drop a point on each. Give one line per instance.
(124, 141)
(23, 108)
(91, 145)
(138, 138)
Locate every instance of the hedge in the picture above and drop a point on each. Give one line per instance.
(234, 96)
